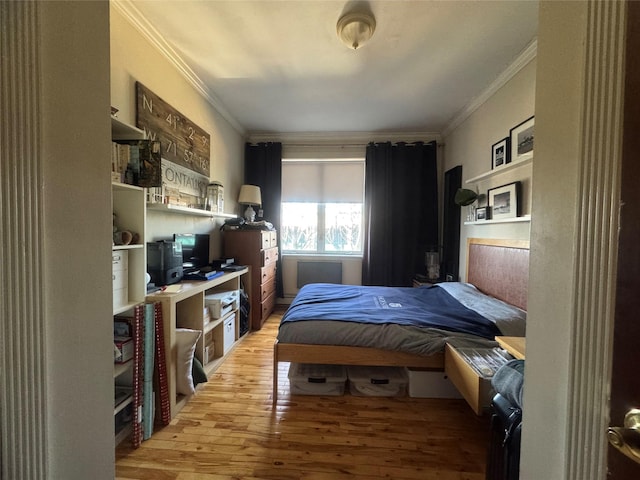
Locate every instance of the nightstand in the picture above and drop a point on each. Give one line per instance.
(516, 346)
(420, 280)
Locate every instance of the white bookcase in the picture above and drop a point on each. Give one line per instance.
(129, 269)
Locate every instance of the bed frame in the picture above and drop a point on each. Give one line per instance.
(499, 268)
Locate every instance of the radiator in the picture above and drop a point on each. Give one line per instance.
(319, 272)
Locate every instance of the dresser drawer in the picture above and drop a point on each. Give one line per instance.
(267, 288)
(267, 306)
(268, 240)
(475, 389)
(273, 239)
(268, 272)
(269, 256)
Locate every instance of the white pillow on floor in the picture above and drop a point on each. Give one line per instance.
(186, 340)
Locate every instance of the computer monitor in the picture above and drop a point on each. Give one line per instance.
(195, 249)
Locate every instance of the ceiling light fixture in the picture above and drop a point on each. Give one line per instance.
(355, 29)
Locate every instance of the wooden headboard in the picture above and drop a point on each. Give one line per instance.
(499, 268)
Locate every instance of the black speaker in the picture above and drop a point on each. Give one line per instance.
(164, 262)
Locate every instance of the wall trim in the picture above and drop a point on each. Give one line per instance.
(526, 56)
(23, 387)
(135, 18)
(597, 248)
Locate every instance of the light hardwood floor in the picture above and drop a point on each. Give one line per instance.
(229, 430)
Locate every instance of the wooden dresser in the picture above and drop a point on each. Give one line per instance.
(257, 249)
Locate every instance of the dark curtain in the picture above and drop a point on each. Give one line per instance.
(401, 211)
(263, 167)
(451, 225)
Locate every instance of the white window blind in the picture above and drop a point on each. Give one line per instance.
(323, 181)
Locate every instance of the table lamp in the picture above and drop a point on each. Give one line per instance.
(250, 195)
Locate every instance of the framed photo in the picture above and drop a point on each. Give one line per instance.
(505, 201)
(521, 138)
(500, 154)
(482, 214)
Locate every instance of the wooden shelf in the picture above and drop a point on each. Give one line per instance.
(499, 171)
(184, 309)
(516, 346)
(167, 208)
(124, 131)
(121, 406)
(126, 186)
(524, 218)
(123, 433)
(127, 247)
(125, 307)
(120, 368)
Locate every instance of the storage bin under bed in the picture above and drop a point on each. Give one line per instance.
(317, 379)
(377, 381)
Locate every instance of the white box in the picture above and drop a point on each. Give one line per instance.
(120, 297)
(229, 335)
(120, 277)
(221, 303)
(377, 381)
(125, 345)
(119, 260)
(426, 384)
(317, 379)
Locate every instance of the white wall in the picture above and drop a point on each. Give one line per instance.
(77, 235)
(134, 58)
(351, 271)
(552, 285)
(470, 143)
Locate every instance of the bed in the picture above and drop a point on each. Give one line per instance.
(496, 269)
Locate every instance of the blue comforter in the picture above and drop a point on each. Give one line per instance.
(422, 307)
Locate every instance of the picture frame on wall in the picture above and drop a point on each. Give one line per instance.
(504, 201)
(483, 214)
(521, 137)
(500, 154)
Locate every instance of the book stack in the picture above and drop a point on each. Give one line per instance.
(136, 162)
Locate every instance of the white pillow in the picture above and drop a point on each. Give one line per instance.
(510, 320)
(186, 340)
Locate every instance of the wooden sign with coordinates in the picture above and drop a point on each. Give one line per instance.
(183, 142)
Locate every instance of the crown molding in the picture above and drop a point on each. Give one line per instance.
(341, 138)
(140, 23)
(528, 54)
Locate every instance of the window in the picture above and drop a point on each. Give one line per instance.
(322, 206)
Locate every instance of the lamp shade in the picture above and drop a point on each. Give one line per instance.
(465, 197)
(250, 195)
